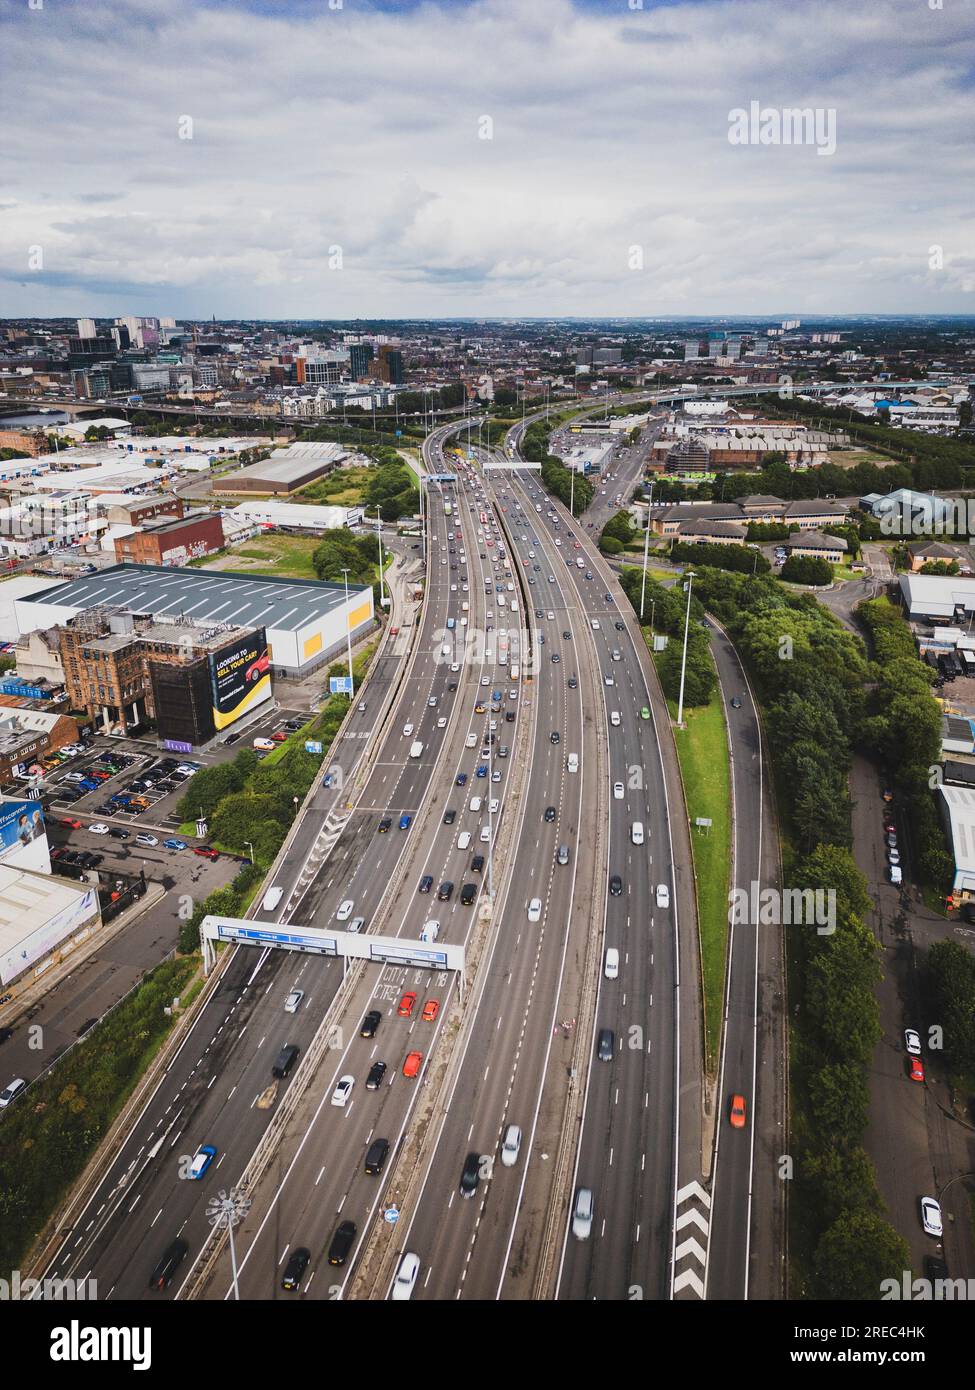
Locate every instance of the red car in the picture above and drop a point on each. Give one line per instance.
(737, 1115)
(71, 824)
(280, 736)
(406, 1005)
(205, 852)
(430, 1010)
(258, 668)
(412, 1064)
(917, 1070)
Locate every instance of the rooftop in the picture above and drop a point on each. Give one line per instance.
(223, 596)
(30, 900)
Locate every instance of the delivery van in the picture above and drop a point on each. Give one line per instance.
(416, 749)
(636, 832)
(271, 899)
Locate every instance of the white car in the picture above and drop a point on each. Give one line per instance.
(345, 910)
(609, 680)
(357, 924)
(618, 791)
(441, 723)
(485, 680)
(144, 838)
(343, 1090)
(98, 829)
(594, 624)
(582, 1213)
(615, 719)
(912, 1042)
(407, 730)
(11, 1092)
(551, 617)
(455, 667)
(293, 1001)
(663, 895)
(511, 1146)
(406, 1276)
(535, 910)
(931, 1216)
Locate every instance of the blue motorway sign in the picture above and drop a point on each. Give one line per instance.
(312, 745)
(340, 685)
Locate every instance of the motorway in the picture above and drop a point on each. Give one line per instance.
(209, 1090)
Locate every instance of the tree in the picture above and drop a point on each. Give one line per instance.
(951, 974)
(807, 569)
(855, 1254)
(839, 1101)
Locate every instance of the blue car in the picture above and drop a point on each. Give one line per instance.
(175, 844)
(405, 822)
(461, 779)
(202, 1159)
(88, 784)
(482, 770)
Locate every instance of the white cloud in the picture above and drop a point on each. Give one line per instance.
(359, 128)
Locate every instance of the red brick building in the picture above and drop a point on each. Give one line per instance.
(172, 543)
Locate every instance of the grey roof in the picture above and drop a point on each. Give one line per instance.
(206, 596)
(814, 507)
(730, 530)
(761, 499)
(703, 511)
(815, 540)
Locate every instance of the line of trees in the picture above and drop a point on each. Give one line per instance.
(720, 557)
(807, 569)
(667, 607)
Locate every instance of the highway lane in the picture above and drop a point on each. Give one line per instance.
(318, 1178)
(747, 1237)
(627, 1146)
(210, 1088)
(466, 1246)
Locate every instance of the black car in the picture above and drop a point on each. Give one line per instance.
(6, 1033)
(467, 894)
(735, 702)
(556, 658)
(449, 817)
(296, 1265)
(510, 716)
(118, 833)
(555, 736)
(171, 1259)
(376, 1157)
(605, 1044)
(567, 636)
(445, 892)
(616, 886)
(573, 683)
(233, 738)
(384, 825)
(608, 598)
(549, 815)
(338, 1251)
(619, 625)
(477, 864)
(370, 1024)
(471, 1175)
(375, 1078)
(425, 884)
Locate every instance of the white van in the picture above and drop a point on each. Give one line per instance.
(485, 834)
(464, 839)
(271, 899)
(572, 762)
(636, 832)
(471, 741)
(431, 930)
(611, 965)
(264, 745)
(416, 749)
(895, 874)
(475, 804)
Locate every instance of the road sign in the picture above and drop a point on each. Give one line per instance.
(340, 685)
(391, 1215)
(312, 745)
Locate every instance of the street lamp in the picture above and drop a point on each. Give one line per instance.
(348, 629)
(251, 848)
(379, 532)
(683, 664)
(229, 1209)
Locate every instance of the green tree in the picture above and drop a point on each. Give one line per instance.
(856, 1254)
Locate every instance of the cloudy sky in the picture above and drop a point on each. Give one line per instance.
(331, 158)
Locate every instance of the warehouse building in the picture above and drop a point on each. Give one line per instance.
(42, 919)
(286, 471)
(298, 516)
(938, 598)
(958, 814)
(172, 541)
(305, 621)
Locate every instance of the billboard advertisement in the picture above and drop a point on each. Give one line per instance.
(21, 823)
(82, 910)
(240, 678)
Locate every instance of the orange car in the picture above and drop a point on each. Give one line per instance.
(430, 1010)
(917, 1069)
(737, 1115)
(406, 1005)
(412, 1064)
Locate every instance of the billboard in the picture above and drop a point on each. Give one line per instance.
(240, 677)
(21, 822)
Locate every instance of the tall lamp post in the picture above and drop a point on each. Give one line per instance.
(229, 1209)
(683, 664)
(379, 533)
(348, 630)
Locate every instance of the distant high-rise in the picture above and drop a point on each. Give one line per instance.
(692, 349)
(86, 328)
(607, 357)
(360, 358)
(390, 367)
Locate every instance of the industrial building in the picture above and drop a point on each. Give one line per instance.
(958, 814)
(297, 516)
(286, 471)
(938, 598)
(172, 540)
(42, 919)
(306, 621)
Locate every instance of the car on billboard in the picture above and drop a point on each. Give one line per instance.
(257, 669)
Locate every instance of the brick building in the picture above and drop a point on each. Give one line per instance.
(136, 511)
(172, 542)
